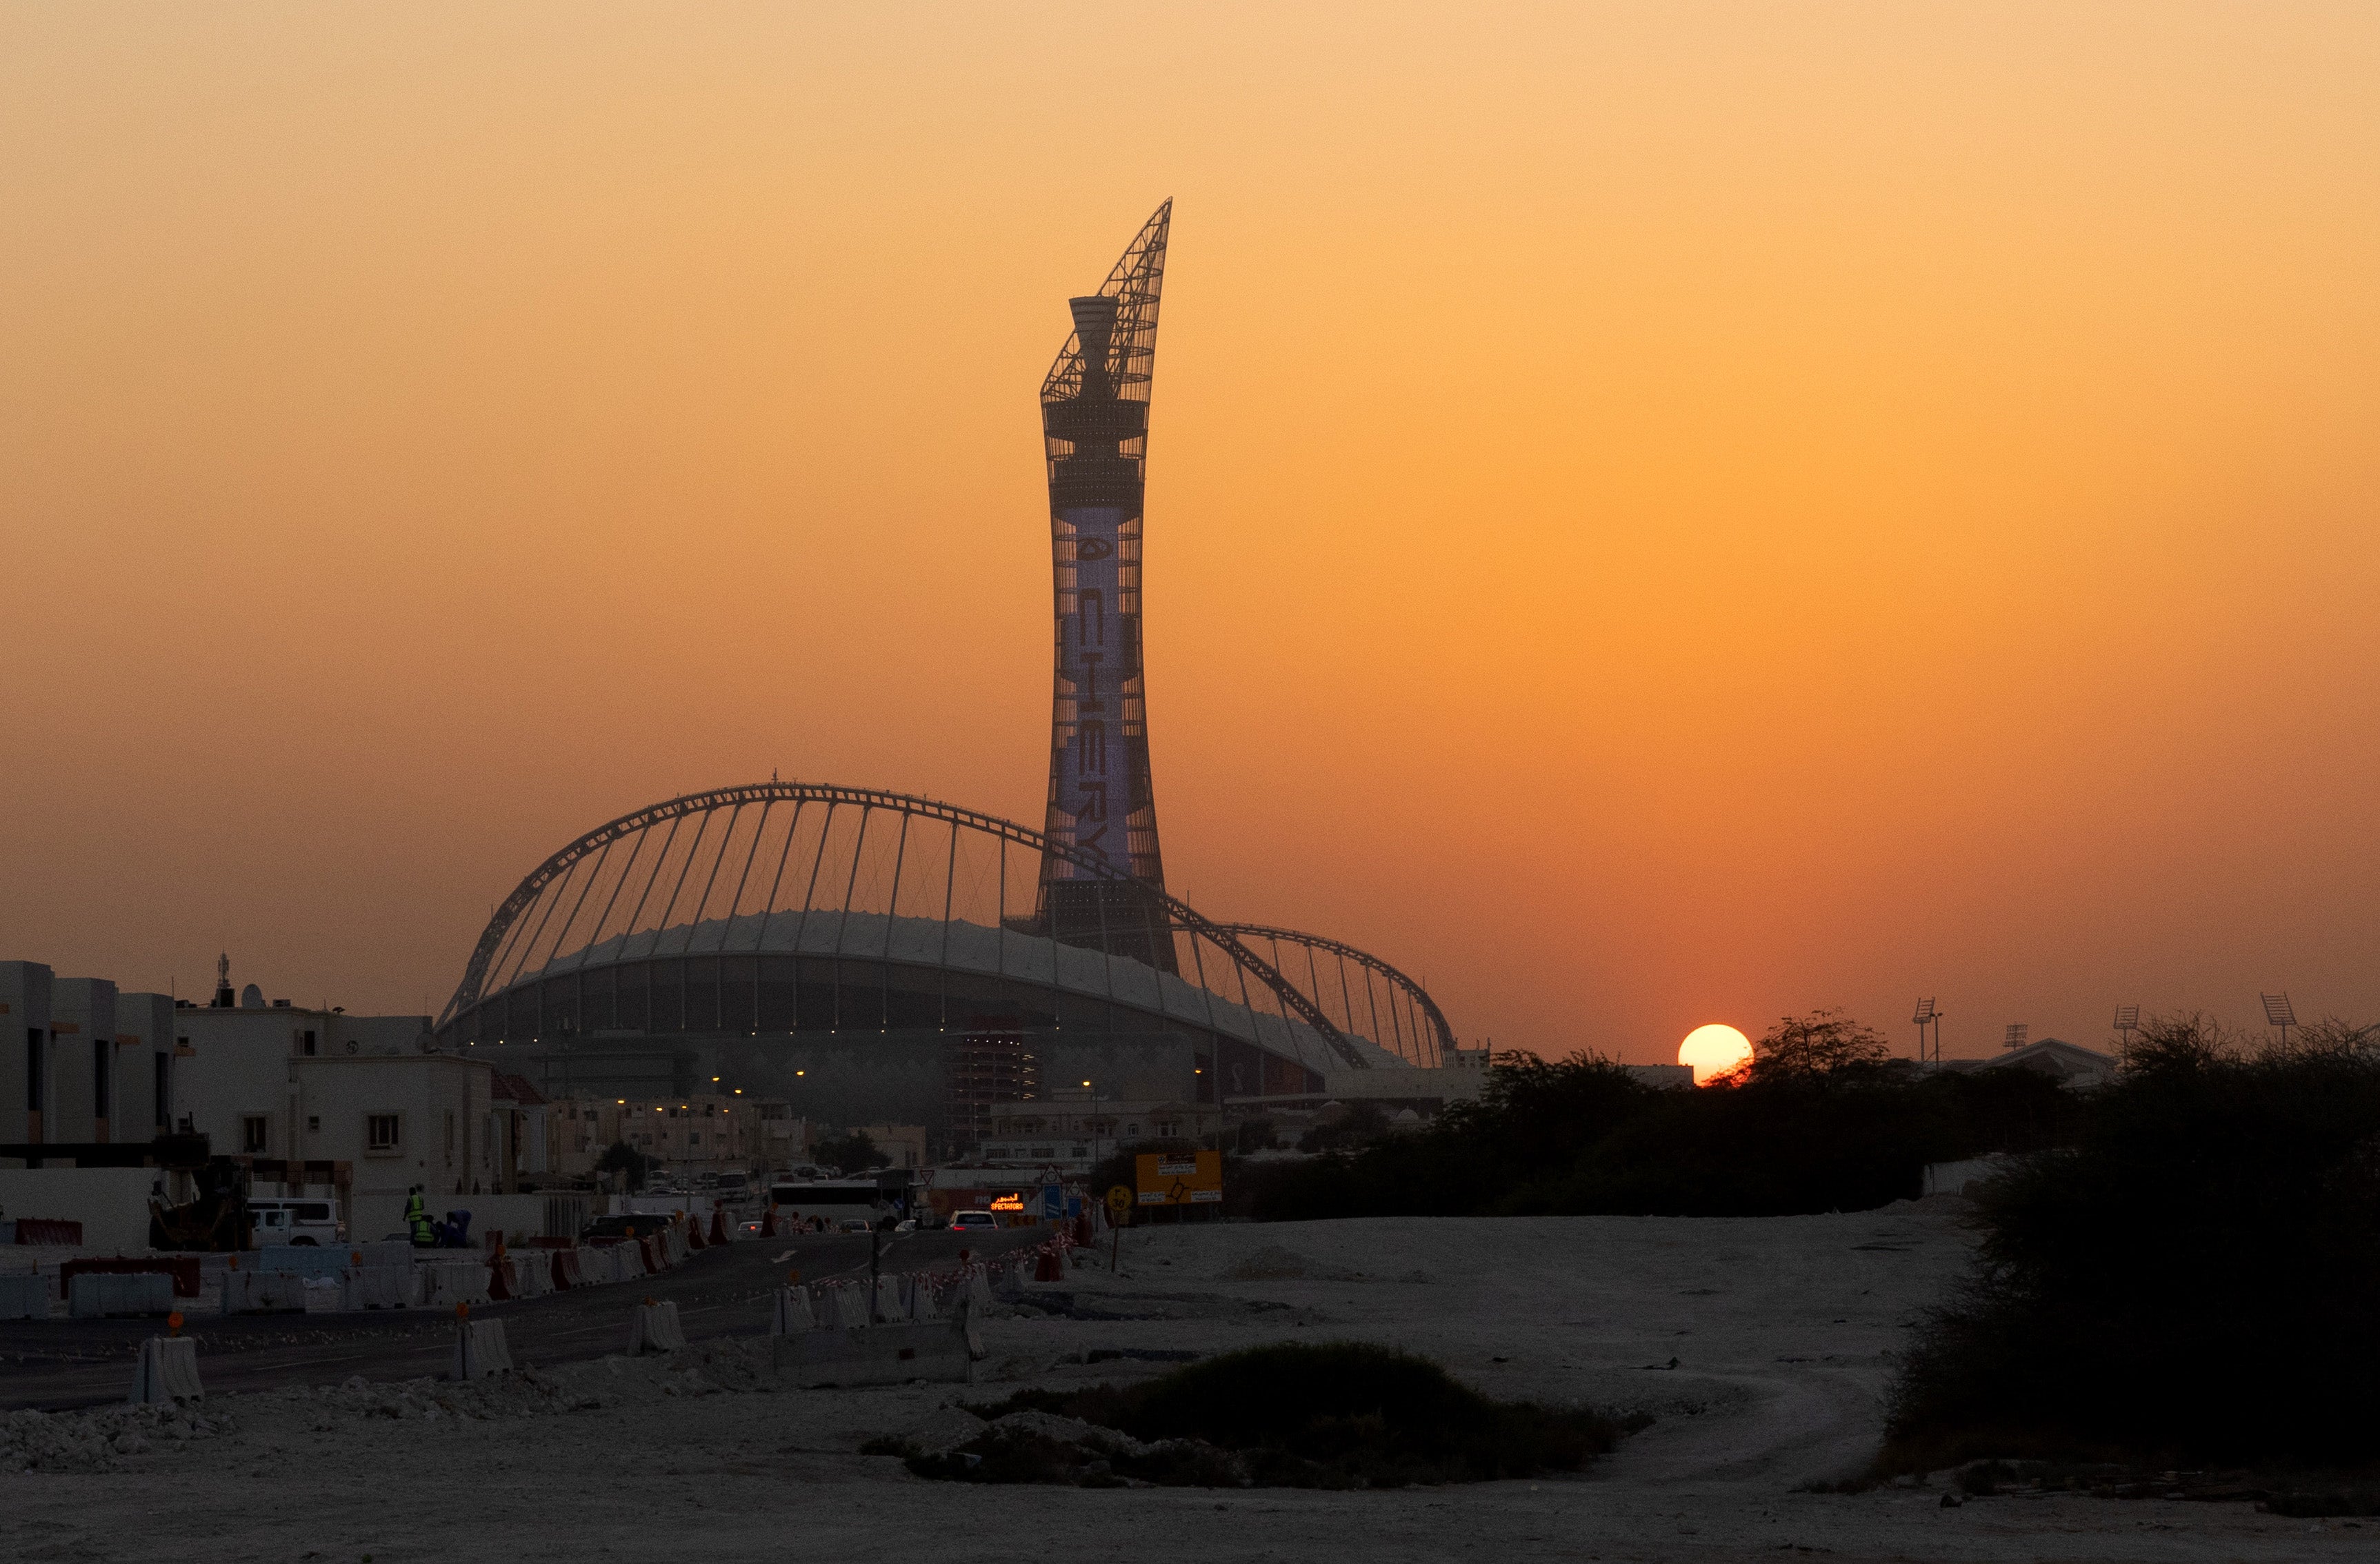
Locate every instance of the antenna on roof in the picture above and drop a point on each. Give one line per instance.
(2128, 1021)
(2278, 1013)
(1927, 1015)
(2017, 1033)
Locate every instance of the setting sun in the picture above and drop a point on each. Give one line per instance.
(1714, 1050)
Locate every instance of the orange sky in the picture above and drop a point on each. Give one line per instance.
(1659, 512)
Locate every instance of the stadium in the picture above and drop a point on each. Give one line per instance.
(875, 956)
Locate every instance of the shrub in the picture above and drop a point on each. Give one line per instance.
(1334, 1415)
(2192, 1281)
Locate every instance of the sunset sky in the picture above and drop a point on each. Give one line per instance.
(1659, 514)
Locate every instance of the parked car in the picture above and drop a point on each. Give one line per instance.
(293, 1220)
(625, 1224)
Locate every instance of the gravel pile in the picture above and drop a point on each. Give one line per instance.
(99, 1441)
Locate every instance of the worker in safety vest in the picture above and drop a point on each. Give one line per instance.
(416, 1220)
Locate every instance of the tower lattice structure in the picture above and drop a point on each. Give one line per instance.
(1095, 437)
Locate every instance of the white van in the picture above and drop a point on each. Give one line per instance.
(296, 1220)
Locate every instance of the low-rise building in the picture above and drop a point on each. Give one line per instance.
(691, 1135)
(1072, 1130)
(902, 1145)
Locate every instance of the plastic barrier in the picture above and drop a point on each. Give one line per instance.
(533, 1276)
(719, 1233)
(323, 1294)
(44, 1232)
(564, 1271)
(97, 1296)
(946, 1352)
(693, 1235)
(301, 1259)
(382, 1287)
(263, 1293)
(889, 1306)
(446, 1285)
(167, 1371)
(184, 1268)
(24, 1297)
(480, 1349)
(654, 1328)
(925, 1304)
(794, 1311)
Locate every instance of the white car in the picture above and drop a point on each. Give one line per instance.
(307, 1223)
(974, 1222)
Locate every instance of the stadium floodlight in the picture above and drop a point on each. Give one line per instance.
(2128, 1019)
(2017, 1033)
(2280, 1013)
(1927, 1015)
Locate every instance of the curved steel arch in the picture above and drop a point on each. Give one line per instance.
(468, 992)
(1413, 991)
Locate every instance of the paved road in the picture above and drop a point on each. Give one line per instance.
(60, 1363)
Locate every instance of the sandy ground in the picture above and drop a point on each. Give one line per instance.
(1779, 1330)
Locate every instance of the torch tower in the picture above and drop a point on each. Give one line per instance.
(1095, 437)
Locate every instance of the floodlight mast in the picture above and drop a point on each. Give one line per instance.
(2128, 1021)
(2280, 1013)
(2017, 1033)
(1927, 1015)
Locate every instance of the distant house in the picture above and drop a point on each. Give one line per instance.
(2061, 1062)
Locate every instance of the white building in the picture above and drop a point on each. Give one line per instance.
(25, 992)
(2061, 1062)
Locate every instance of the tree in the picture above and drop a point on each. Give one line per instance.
(854, 1153)
(1825, 1044)
(622, 1157)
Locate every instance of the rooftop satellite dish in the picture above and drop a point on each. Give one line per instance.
(252, 998)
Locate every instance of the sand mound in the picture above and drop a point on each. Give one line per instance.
(1273, 1263)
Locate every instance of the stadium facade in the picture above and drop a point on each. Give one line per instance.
(875, 956)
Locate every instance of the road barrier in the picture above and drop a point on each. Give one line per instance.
(654, 1328)
(97, 1295)
(263, 1293)
(943, 1352)
(480, 1348)
(793, 1312)
(167, 1371)
(184, 1269)
(25, 1297)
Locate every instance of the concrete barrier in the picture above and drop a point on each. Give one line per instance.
(943, 1353)
(25, 1297)
(263, 1293)
(793, 1312)
(97, 1296)
(167, 1371)
(654, 1328)
(480, 1349)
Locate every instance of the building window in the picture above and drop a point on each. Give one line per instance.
(252, 1129)
(313, 1124)
(102, 1056)
(384, 1135)
(694, 1137)
(306, 1043)
(450, 1137)
(164, 1072)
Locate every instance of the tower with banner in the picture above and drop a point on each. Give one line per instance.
(1095, 438)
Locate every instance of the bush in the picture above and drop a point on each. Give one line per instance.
(1821, 1120)
(2194, 1280)
(1336, 1415)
